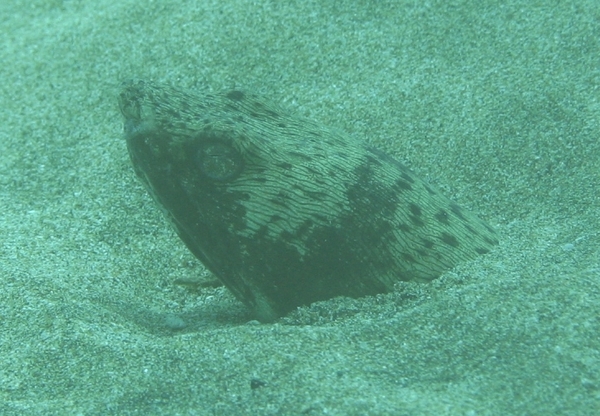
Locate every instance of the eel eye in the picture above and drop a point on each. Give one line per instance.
(219, 161)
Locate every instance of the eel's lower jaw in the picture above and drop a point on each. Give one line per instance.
(134, 128)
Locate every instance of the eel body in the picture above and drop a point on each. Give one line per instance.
(283, 210)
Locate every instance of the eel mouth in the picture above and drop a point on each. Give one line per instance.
(128, 100)
(130, 104)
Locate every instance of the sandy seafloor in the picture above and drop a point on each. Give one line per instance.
(497, 103)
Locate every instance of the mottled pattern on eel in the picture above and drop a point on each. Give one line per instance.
(286, 211)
